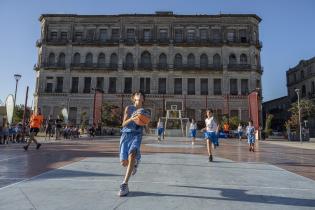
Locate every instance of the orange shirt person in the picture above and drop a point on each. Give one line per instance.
(35, 123)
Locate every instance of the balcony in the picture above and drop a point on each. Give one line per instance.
(162, 66)
(237, 66)
(164, 41)
(128, 66)
(57, 41)
(96, 42)
(52, 66)
(130, 41)
(92, 66)
(147, 41)
(145, 66)
(205, 67)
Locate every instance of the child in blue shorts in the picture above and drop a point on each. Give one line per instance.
(211, 132)
(250, 132)
(193, 131)
(130, 141)
(160, 129)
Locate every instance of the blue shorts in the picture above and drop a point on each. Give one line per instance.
(212, 136)
(193, 132)
(160, 131)
(130, 142)
(240, 134)
(251, 139)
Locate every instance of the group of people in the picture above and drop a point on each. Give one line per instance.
(11, 133)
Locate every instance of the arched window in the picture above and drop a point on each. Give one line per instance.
(146, 59)
(77, 59)
(61, 59)
(51, 59)
(113, 60)
(129, 60)
(216, 60)
(232, 59)
(203, 60)
(178, 60)
(191, 60)
(243, 58)
(163, 61)
(101, 60)
(89, 59)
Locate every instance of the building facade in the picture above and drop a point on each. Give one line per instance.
(199, 61)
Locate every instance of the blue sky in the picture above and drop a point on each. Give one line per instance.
(287, 32)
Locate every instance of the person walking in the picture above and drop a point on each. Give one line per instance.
(160, 130)
(240, 131)
(250, 132)
(35, 123)
(193, 131)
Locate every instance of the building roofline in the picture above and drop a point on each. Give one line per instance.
(158, 14)
(280, 98)
(301, 63)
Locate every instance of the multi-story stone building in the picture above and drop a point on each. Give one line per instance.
(201, 61)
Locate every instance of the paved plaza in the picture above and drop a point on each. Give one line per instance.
(85, 174)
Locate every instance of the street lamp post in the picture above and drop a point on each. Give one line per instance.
(299, 108)
(17, 77)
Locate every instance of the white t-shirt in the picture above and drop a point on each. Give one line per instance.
(160, 125)
(193, 126)
(211, 125)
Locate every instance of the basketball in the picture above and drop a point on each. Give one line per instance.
(142, 117)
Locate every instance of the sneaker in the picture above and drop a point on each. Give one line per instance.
(135, 168)
(38, 145)
(210, 158)
(253, 150)
(25, 148)
(250, 149)
(193, 143)
(124, 190)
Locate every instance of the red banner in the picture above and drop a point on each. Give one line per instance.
(98, 101)
(253, 108)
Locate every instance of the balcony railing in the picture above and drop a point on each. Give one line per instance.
(108, 66)
(211, 67)
(53, 65)
(128, 66)
(239, 66)
(145, 66)
(162, 66)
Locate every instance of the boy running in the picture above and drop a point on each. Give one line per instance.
(130, 141)
(35, 123)
(211, 131)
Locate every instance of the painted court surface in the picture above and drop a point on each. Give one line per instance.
(86, 174)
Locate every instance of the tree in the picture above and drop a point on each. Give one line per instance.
(268, 129)
(18, 113)
(307, 110)
(110, 115)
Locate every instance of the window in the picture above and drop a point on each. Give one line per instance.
(178, 61)
(243, 58)
(78, 36)
(112, 85)
(232, 59)
(64, 36)
(243, 36)
(113, 60)
(191, 35)
(257, 83)
(216, 35)
(59, 87)
(178, 35)
(115, 34)
(163, 34)
(75, 85)
(203, 61)
(204, 86)
(162, 86)
(90, 34)
(130, 34)
(233, 87)
(191, 86)
(100, 83)
(76, 59)
(89, 59)
(203, 34)
(87, 85)
(49, 85)
(145, 85)
(217, 87)
(230, 36)
(128, 85)
(103, 35)
(129, 61)
(178, 86)
(101, 60)
(53, 35)
(303, 91)
(234, 113)
(147, 35)
(61, 59)
(216, 60)
(146, 59)
(163, 61)
(51, 59)
(244, 86)
(191, 60)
